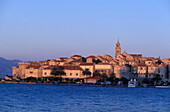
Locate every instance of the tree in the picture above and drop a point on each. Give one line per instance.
(58, 71)
(83, 59)
(156, 78)
(112, 75)
(159, 62)
(167, 71)
(87, 72)
(96, 61)
(104, 76)
(32, 79)
(146, 81)
(96, 73)
(111, 78)
(124, 80)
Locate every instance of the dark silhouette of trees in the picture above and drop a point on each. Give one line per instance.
(58, 71)
(159, 62)
(156, 78)
(96, 73)
(146, 81)
(96, 61)
(111, 78)
(124, 80)
(167, 71)
(83, 59)
(87, 72)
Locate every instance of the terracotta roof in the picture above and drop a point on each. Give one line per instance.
(100, 57)
(108, 55)
(41, 61)
(92, 77)
(63, 58)
(93, 57)
(73, 68)
(136, 55)
(51, 67)
(85, 64)
(75, 61)
(103, 64)
(76, 56)
(59, 60)
(148, 60)
(142, 65)
(33, 66)
(123, 55)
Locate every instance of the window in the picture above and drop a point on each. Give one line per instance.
(76, 74)
(70, 74)
(45, 73)
(31, 71)
(141, 68)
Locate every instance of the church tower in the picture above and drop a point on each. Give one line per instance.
(117, 49)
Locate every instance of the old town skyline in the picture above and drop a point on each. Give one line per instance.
(122, 65)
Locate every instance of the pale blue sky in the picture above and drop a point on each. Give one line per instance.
(44, 29)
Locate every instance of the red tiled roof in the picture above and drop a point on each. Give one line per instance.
(123, 55)
(149, 60)
(33, 66)
(73, 68)
(85, 64)
(63, 58)
(100, 57)
(142, 65)
(93, 57)
(136, 55)
(75, 61)
(76, 56)
(51, 67)
(103, 64)
(92, 77)
(59, 60)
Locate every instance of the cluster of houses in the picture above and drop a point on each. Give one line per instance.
(122, 65)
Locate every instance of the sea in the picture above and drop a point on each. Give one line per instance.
(58, 98)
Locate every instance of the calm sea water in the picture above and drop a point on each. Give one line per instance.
(53, 98)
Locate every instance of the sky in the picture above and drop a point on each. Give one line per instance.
(48, 29)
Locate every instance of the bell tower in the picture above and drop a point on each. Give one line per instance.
(117, 49)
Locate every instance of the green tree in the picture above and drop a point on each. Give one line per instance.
(96, 61)
(104, 76)
(159, 62)
(87, 72)
(83, 59)
(156, 78)
(111, 78)
(96, 73)
(58, 71)
(146, 81)
(124, 80)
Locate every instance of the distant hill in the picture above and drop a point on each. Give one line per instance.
(6, 66)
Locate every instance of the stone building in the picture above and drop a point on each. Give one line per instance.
(122, 65)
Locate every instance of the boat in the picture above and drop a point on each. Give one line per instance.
(162, 86)
(133, 83)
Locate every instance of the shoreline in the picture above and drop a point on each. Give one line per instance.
(63, 84)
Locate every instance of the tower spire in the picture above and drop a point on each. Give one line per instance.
(118, 40)
(117, 48)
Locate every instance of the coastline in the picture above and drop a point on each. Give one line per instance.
(64, 84)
